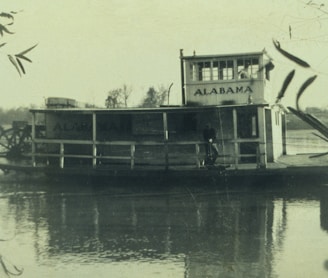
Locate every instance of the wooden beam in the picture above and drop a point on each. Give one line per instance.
(33, 139)
(165, 128)
(166, 138)
(197, 155)
(94, 138)
(262, 137)
(235, 136)
(133, 149)
(62, 158)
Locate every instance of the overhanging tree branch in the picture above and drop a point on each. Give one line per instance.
(15, 59)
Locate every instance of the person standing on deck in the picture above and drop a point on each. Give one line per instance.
(211, 149)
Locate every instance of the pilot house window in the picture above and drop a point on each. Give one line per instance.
(245, 68)
(201, 71)
(212, 70)
(248, 68)
(225, 70)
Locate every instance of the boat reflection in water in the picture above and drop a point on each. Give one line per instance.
(175, 231)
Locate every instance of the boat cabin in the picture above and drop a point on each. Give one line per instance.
(231, 92)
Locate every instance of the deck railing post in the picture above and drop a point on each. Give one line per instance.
(133, 148)
(284, 134)
(61, 158)
(197, 155)
(235, 137)
(94, 155)
(33, 139)
(258, 156)
(166, 138)
(94, 138)
(262, 137)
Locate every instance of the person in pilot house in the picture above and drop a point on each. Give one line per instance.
(243, 73)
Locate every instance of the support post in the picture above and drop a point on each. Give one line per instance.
(166, 138)
(61, 158)
(262, 137)
(133, 149)
(197, 155)
(94, 138)
(284, 133)
(33, 138)
(235, 137)
(182, 78)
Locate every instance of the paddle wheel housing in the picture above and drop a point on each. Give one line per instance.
(15, 141)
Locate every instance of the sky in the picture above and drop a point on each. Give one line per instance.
(89, 47)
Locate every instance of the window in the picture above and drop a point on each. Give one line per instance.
(204, 71)
(226, 70)
(215, 71)
(193, 71)
(255, 68)
(189, 122)
(200, 71)
(247, 126)
(248, 68)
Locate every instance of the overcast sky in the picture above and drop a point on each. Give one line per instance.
(88, 47)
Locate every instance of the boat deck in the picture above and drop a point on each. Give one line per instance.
(301, 165)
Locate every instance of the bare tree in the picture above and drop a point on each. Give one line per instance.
(126, 92)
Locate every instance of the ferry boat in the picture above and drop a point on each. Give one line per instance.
(232, 93)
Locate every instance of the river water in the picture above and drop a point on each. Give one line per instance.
(71, 228)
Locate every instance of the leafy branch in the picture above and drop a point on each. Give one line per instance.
(16, 59)
(10, 269)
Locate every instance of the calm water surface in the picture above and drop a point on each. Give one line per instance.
(74, 229)
(70, 229)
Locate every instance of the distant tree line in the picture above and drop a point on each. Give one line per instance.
(316, 110)
(293, 122)
(116, 98)
(154, 97)
(7, 116)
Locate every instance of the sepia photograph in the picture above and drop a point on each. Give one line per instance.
(149, 138)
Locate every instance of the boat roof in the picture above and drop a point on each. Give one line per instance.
(258, 53)
(139, 110)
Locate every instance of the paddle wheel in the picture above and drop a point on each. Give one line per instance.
(15, 141)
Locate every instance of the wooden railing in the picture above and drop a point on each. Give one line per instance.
(97, 157)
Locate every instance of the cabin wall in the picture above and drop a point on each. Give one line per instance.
(274, 134)
(68, 126)
(145, 133)
(269, 136)
(277, 133)
(236, 92)
(136, 127)
(139, 127)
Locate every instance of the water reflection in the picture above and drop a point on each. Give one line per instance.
(172, 231)
(324, 209)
